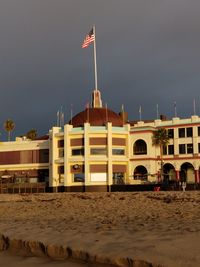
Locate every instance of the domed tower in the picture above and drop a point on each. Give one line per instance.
(95, 149)
(96, 115)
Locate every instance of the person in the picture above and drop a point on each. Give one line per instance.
(183, 186)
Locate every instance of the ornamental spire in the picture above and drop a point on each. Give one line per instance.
(96, 99)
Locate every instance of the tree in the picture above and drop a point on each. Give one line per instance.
(9, 126)
(32, 134)
(161, 139)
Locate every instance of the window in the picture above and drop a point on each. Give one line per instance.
(164, 150)
(79, 177)
(98, 151)
(182, 149)
(189, 132)
(170, 149)
(61, 153)
(78, 152)
(198, 131)
(60, 143)
(60, 169)
(140, 147)
(118, 151)
(98, 177)
(181, 132)
(118, 178)
(189, 148)
(199, 147)
(170, 133)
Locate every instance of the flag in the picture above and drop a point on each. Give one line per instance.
(88, 39)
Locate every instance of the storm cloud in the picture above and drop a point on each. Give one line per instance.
(148, 53)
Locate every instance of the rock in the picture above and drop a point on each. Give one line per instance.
(57, 252)
(4, 242)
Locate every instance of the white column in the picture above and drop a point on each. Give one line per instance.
(67, 155)
(87, 153)
(110, 171)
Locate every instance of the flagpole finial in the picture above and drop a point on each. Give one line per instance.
(96, 99)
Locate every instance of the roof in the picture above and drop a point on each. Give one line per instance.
(96, 117)
(44, 137)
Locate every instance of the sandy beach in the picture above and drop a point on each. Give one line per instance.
(123, 229)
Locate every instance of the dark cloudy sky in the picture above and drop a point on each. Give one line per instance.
(148, 53)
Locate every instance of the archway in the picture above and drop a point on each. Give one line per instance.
(140, 173)
(187, 173)
(169, 173)
(140, 147)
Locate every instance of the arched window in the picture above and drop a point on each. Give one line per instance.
(140, 173)
(140, 147)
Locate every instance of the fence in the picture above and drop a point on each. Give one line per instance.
(17, 188)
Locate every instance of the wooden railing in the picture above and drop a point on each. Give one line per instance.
(17, 188)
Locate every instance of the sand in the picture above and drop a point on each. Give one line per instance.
(125, 229)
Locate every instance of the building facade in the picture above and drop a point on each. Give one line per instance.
(100, 150)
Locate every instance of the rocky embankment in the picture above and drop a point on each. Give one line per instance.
(55, 252)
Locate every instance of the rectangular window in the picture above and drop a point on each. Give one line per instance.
(181, 132)
(60, 143)
(98, 151)
(99, 177)
(189, 132)
(171, 149)
(182, 149)
(61, 170)
(61, 153)
(78, 152)
(118, 151)
(79, 177)
(118, 177)
(198, 131)
(189, 148)
(199, 147)
(170, 133)
(164, 150)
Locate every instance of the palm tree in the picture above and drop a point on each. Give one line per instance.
(32, 134)
(161, 139)
(9, 126)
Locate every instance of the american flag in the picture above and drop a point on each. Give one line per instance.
(88, 39)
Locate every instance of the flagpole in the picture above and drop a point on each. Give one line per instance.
(194, 106)
(71, 113)
(95, 59)
(140, 113)
(58, 115)
(175, 110)
(157, 112)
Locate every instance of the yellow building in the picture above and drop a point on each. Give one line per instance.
(24, 165)
(100, 150)
(92, 153)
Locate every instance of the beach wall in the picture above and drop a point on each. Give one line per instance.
(30, 248)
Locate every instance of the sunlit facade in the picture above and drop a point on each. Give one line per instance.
(100, 150)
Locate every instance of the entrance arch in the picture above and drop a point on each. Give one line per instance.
(140, 173)
(169, 173)
(187, 173)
